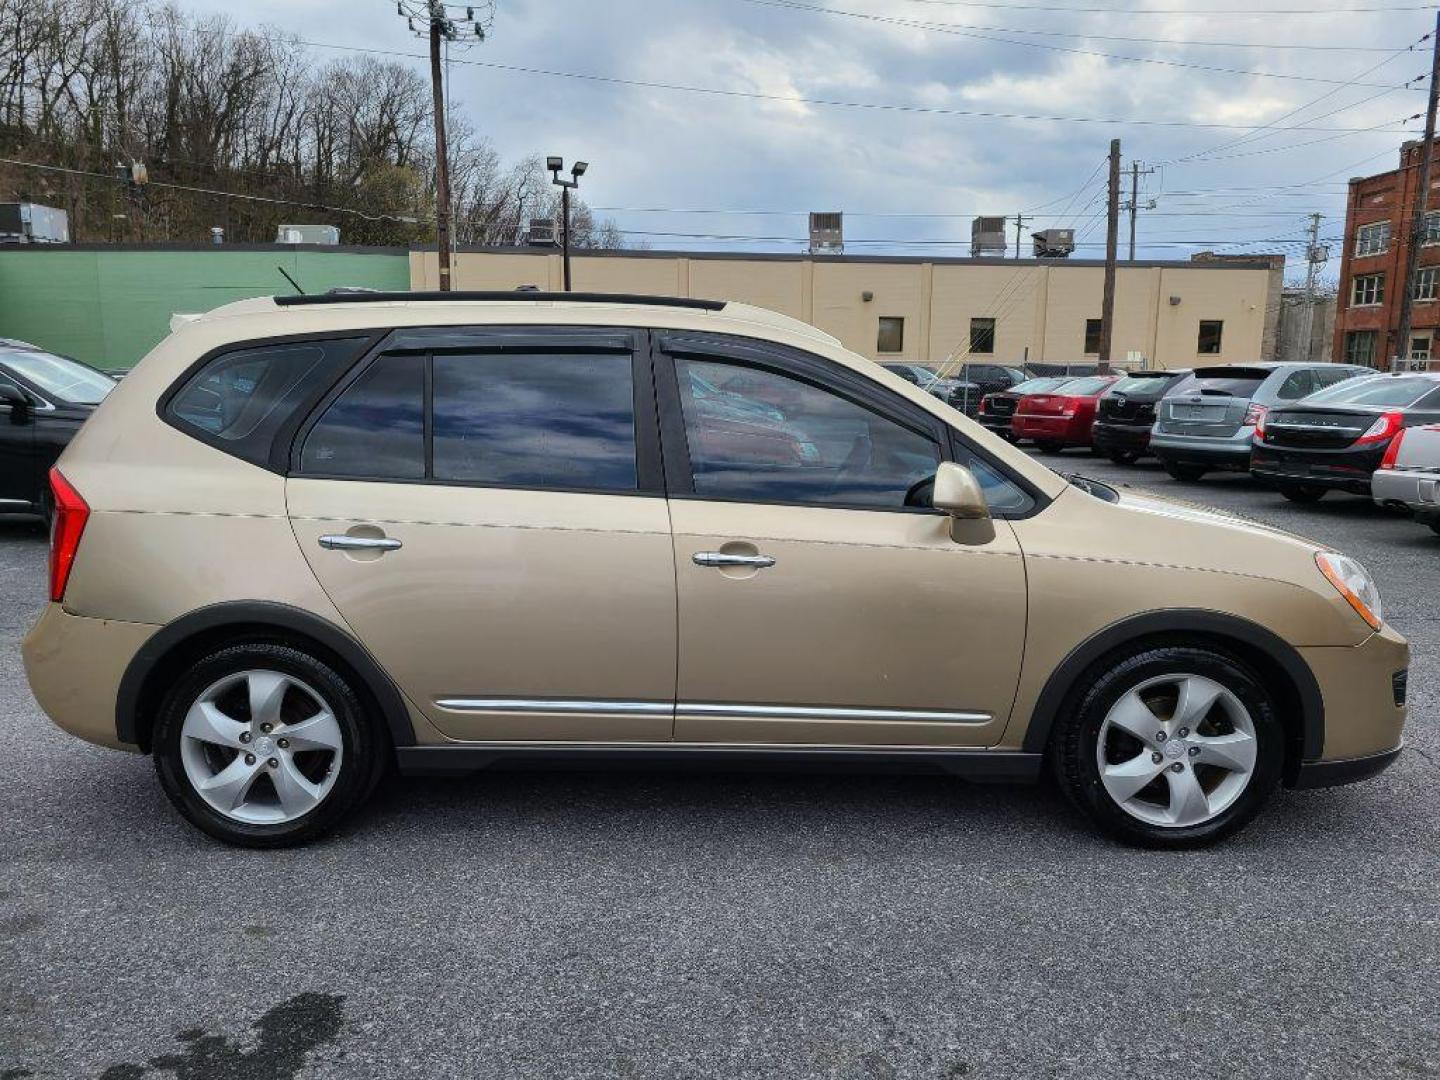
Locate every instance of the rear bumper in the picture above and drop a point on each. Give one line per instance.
(1417, 490)
(1340, 470)
(1112, 436)
(996, 423)
(1218, 452)
(1070, 430)
(1322, 774)
(75, 665)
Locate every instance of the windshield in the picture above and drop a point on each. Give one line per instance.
(1378, 390)
(1083, 387)
(68, 380)
(1036, 386)
(1140, 384)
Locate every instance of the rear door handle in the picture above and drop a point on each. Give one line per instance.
(360, 543)
(721, 558)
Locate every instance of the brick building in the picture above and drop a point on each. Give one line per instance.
(1372, 267)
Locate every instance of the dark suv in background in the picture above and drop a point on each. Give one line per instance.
(1126, 413)
(1335, 439)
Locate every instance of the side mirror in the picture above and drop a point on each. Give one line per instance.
(10, 395)
(958, 493)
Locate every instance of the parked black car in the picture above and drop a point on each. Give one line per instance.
(1334, 439)
(44, 399)
(986, 379)
(998, 408)
(964, 396)
(1127, 412)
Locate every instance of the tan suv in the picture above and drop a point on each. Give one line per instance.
(311, 536)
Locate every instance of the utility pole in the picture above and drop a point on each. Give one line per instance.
(1020, 220)
(438, 27)
(1315, 257)
(1134, 204)
(1112, 238)
(1415, 235)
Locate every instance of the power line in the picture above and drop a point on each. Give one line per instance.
(938, 28)
(1001, 5)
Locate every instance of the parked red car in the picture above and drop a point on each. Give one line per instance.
(1063, 416)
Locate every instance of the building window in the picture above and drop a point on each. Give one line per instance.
(1209, 340)
(1372, 239)
(1360, 347)
(891, 337)
(1419, 353)
(982, 336)
(1092, 335)
(1432, 227)
(1367, 290)
(1426, 282)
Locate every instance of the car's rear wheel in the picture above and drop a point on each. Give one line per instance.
(1302, 493)
(1171, 747)
(1048, 447)
(1124, 457)
(264, 745)
(1180, 470)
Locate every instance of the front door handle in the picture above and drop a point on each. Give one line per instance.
(360, 543)
(722, 558)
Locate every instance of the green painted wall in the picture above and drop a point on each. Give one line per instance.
(110, 306)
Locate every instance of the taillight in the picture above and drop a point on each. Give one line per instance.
(1385, 426)
(71, 512)
(985, 403)
(1393, 450)
(1255, 417)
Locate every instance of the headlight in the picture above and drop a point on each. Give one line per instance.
(1354, 583)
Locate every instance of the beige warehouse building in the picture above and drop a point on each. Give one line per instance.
(933, 311)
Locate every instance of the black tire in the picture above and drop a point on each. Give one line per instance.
(1048, 447)
(1124, 457)
(1301, 493)
(1434, 525)
(1180, 470)
(1074, 744)
(363, 762)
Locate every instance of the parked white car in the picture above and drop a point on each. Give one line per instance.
(1409, 475)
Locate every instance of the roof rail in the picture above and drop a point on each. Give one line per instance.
(519, 296)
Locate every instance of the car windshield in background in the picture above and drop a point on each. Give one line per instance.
(1139, 384)
(1234, 381)
(1379, 390)
(1038, 386)
(1083, 387)
(68, 380)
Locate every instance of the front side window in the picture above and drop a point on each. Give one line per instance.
(1360, 347)
(1372, 239)
(982, 336)
(1092, 335)
(539, 420)
(758, 436)
(240, 400)
(1367, 289)
(1208, 340)
(376, 427)
(891, 336)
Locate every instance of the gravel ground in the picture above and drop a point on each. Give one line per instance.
(657, 925)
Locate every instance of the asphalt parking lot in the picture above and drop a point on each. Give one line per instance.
(658, 925)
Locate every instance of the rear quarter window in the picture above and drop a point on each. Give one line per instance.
(240, 400)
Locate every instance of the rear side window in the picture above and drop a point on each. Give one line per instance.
(376, 427)
(1297, 384)
(241, 400)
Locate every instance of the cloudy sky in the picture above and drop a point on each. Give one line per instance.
(908, 157)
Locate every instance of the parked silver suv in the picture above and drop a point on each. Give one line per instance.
(1208, 421)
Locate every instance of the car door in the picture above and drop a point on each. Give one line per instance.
(485, 508)
(18, 489)
(820, 600)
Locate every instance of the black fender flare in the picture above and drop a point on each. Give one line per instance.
(258, 616)
(1178, 623)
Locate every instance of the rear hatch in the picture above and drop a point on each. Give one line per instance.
(1212, 402)
(1132, 401)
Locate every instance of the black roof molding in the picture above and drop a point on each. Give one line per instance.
(518, 296)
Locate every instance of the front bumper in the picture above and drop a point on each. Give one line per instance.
(1420, 491)
(1215, 451)
(1346, 469)
(1111, 436)
(75, 665)
(1364, 705)
(1321, 774)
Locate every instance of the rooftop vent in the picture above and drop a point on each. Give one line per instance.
(827, 233)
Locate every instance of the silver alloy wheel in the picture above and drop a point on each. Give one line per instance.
(1196, 750)
(261, 747)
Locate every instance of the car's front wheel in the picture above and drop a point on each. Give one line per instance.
(1171, 747)
(264, 745)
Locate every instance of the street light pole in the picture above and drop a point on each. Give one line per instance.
(555, 164)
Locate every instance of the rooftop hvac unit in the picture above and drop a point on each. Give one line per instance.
(987, 236)
(542, 232)
(1054, 243)
(307, 234)
(827, 233)
(31, 223)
